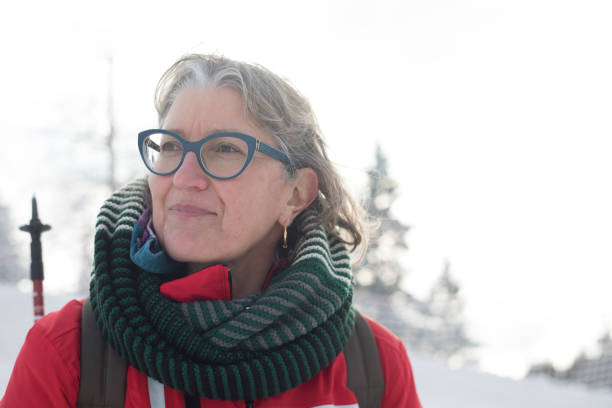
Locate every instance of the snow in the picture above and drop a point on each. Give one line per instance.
(16, 315)
(437, 385)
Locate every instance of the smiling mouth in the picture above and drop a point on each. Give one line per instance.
(188, 210)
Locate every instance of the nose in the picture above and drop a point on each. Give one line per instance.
(190, 175)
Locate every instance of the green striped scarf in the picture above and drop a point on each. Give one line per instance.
(243, 349)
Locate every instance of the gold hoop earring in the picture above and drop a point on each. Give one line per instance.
(285, 238)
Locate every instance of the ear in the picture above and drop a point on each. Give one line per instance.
(304, 191)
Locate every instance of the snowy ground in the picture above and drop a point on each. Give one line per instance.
(437, 385)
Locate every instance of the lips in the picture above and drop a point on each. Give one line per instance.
(189, 210)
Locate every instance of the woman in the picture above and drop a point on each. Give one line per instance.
(224, 278)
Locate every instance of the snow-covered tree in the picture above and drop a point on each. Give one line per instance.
(379, 273)
(11, 267)
(380, 270)
(448, 339)
(605, 344)
(434, 325)
(595, 371)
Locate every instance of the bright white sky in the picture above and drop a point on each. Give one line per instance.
(495, 116)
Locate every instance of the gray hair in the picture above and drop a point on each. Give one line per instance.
(278, 108)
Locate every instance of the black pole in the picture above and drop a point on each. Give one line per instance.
(35, 228)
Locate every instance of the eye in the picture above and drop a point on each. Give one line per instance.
(170, 146)
(226, 147)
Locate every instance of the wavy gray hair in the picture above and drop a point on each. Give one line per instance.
(278, 108)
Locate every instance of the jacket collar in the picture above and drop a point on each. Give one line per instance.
(212, 283)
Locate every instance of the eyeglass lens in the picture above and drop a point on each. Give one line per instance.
(222, 156)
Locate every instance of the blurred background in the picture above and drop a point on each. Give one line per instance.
(478, 132)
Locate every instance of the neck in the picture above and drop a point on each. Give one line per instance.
(246, 281)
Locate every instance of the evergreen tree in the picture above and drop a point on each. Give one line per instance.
(594, 371)
(605, 344)
(448, 340)
(379, 273)
(380, 269)
(434, 326)
(11, 269)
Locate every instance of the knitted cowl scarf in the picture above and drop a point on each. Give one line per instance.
(243, 349)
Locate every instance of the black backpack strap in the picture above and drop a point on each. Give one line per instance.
(363, 370)
(103, 371)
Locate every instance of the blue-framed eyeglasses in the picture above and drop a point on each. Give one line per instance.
(222, 155)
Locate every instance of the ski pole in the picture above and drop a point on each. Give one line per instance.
(35, 228)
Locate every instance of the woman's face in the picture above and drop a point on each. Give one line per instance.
(205, 221)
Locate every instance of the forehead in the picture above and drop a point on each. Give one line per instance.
(198, 112)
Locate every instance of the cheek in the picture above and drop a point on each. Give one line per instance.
(238, 211)
(258, 205)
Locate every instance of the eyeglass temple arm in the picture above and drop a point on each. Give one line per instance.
(154, 146)
(272, 152)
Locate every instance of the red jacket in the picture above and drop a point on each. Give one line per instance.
(47, 370)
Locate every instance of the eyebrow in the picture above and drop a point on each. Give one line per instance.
(211, 132)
